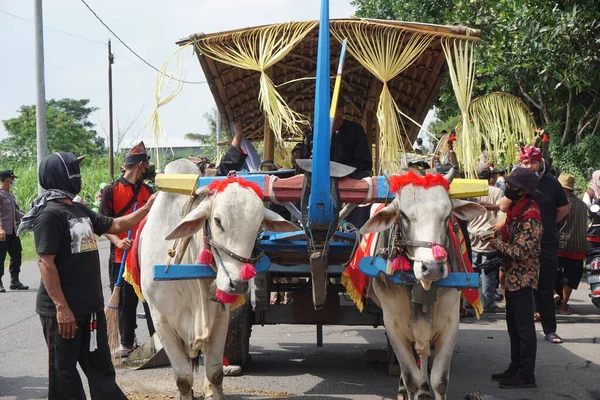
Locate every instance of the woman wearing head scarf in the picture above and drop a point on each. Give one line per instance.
(592, 196)
(69, 300)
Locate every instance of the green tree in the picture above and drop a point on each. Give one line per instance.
(544, 52)
(68, 129)
(208, 141)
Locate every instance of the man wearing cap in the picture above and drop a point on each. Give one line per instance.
(554, 206)
(119, 199)
(483, 252)
(70, 301)
(520, 245)
(572, 244)
(9, 242)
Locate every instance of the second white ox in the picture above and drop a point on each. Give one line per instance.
(186, 319)
(421, 208)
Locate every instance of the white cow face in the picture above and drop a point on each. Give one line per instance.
(234, 215)
(423, 215)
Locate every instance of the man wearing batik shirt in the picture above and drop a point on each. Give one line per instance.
(118, 199)
(521, 246)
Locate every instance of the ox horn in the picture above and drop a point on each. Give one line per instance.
(449, 175)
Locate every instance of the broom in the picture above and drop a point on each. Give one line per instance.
(112, 309)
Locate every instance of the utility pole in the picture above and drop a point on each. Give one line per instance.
(40, 109)
(111, 60)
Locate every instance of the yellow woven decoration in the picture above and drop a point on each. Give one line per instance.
(460, 56)
(172, 86)
(385, 52)
(258, 49)
(503, 123)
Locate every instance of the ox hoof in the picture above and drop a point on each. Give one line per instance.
(232, 370)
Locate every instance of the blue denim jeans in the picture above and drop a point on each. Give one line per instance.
(489, 281)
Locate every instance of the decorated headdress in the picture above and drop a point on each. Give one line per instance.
(530, 153)
(136, 154)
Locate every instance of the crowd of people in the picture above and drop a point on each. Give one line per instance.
(529, 248)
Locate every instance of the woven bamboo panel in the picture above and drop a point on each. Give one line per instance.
(236, 90)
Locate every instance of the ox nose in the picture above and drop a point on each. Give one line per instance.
(432, 269)
(238, 286)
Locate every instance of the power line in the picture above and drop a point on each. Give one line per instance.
(54, 29)
(132, 51)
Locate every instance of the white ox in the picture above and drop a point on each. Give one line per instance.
(186, 320)
(422, 214)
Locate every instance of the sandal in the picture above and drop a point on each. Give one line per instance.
(553, 338)
(566, 311)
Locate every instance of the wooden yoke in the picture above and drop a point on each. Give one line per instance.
(290, 189)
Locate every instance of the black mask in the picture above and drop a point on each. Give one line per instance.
(148, 174)
(512, 193)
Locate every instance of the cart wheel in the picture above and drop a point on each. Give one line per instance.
(237, 347)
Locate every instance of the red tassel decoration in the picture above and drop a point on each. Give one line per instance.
(401, 263)
(248, 272)
(439, 252)
(452, 137)
(206, 257)
(225, 298)
(545, 138)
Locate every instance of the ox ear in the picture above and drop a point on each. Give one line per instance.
(276, 223)
(381, 220)
(192, 222)
(467, 210)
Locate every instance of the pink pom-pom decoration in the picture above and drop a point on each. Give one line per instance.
(439, 252)
(225, 298)
(206, 257)
(401, 263)
(248, 272)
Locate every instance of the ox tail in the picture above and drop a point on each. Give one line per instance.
(426, 384)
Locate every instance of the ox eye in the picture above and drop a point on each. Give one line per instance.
(218, 222)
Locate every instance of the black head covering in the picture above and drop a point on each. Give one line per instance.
(60, 171)
(60, 176)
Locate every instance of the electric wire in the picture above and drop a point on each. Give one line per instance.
(133, 51)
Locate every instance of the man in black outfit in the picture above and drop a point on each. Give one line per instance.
(554, 206)
(70, 301)
(349, 146)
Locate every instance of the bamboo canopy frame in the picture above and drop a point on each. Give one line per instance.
(389, 95)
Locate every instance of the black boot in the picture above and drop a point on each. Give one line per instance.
(2, 290)
(15, 284)
(509, 373)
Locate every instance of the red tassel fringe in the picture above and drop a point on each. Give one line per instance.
(248, 272)
(225, 298)
(401, 263)
(206, 257)
(411, 178)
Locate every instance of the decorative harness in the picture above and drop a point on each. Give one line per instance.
(397, 246)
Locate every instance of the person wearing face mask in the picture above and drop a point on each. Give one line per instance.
(554, 206)
(10, 243)
(118, 199)
(520, 244)
(69, 300)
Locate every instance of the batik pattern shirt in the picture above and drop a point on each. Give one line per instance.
(522, 254)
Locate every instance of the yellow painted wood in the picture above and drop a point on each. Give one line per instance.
(465, 188)
(176, 183)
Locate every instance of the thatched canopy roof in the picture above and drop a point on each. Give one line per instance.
(236, 90)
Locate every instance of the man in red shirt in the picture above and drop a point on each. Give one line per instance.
(118, 199)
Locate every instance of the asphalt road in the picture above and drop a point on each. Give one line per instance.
(286, 363)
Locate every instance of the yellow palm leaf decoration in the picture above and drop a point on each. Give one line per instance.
(258, 49)
(385, 52)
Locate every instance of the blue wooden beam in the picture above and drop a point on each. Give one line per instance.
(320, 205)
